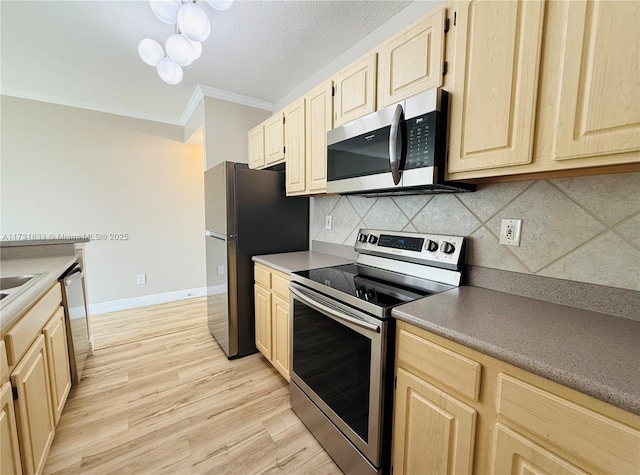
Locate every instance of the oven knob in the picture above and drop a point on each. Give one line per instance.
(362, 237)
(431, 246)
(373, 239)
(369, 295)
(448, 248)
(360, 292)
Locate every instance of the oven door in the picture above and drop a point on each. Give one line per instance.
(339, 359)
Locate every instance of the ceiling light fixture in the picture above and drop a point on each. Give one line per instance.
(192, 27)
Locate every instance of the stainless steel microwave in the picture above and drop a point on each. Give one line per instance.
(400, 149)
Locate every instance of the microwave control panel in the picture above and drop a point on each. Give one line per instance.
(421, 141)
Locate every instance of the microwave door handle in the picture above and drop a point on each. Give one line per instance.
(394, 160)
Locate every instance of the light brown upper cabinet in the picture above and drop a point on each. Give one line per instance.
(274, 139)
(266, 142)
(591, 81)
(256, 147)
(493, 102)
(294, 143)
(412, 61)
(355, 90)
(307, 121)
(319, 115)
(543, 87)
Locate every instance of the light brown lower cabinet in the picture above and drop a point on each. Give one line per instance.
(450, 426)
(514, 453)
(459, 411)
(271, 292)
(9, 449)
(34, 410)
(36, 385)
(55, 336)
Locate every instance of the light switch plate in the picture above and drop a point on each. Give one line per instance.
(328, 222)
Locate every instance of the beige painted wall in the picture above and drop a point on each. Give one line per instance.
(225, 130)
(74, 171)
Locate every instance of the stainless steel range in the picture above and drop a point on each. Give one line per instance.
(343, 339)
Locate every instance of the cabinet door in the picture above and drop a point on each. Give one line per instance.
(412, 61)
(495, 84)
(55, 336)
(256, 147)
(273, 139)
(597, 105)
(9, 450)
(263, 320)
(294, 147)
(280, 326)
(33, 409)
(517, 455)
(355, 91)
(319, 119)
(433, 432)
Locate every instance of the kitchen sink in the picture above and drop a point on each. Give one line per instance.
(14, 281)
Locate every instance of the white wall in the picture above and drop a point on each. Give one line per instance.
(225, 130)
(75, 171)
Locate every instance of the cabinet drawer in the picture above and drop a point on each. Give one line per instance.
(262, 276)
(23, 333)
(280, 284)
(588, 435)
(440, 364)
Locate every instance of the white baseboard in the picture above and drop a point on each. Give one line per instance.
(125, 304)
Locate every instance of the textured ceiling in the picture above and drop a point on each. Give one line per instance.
(84, 53)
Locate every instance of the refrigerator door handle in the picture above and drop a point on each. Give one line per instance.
(215, 235)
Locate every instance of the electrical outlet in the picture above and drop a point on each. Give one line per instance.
(510, 230)
(328, 224)
(141, 279)
(220, 270)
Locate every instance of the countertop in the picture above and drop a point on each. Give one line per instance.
(594, 353)
(42, 242)
(289, 262)
(49, 268)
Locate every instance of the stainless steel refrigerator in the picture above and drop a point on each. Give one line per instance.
(246, 214)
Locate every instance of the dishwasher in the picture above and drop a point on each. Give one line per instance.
(75, 319)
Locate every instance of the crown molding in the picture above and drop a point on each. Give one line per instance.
(236, 98)
(198, 94)
(192, 105)
(34, 96)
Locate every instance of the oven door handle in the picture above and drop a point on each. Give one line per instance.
(394, 160)
(333, 313)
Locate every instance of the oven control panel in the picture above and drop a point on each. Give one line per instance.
(434, 249)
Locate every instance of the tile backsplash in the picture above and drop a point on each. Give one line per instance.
(584, 229)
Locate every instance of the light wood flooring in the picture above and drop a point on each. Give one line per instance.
(160, 396)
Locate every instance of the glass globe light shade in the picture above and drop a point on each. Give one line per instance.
(169, 71)
(150, 51)
(197, 49)
(193, 22)
(166, 10)
(180, 50)
(220, 4)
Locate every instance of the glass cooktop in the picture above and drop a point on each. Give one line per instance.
(363, 283)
